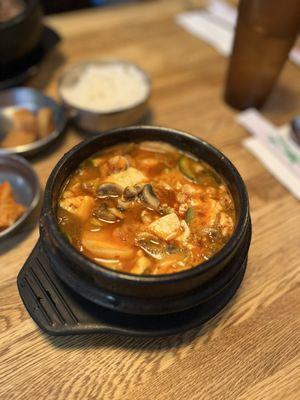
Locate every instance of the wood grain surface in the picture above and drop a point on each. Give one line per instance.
(251, 350)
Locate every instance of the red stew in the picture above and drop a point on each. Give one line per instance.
(146, 208)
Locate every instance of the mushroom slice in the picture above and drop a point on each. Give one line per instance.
(109, 189)
(103, 213)
(152, 245)
(122, 204)
(130, 193)
(149, 197)
(139, 187)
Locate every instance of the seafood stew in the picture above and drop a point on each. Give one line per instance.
(146, 208)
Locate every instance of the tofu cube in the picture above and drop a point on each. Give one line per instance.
(130, 177)
(166, 227)
(81, 206)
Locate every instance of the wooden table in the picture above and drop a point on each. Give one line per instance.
(251, 350)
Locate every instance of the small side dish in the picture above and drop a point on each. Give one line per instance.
(27, 127)
(10, 209)
(103, 94)
(19, 194)
(29, 121)
(146, 208)
(104, 87)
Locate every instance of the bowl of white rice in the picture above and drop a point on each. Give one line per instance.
(105, 94)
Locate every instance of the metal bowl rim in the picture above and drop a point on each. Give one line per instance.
(104, 61)
(36, 195)
(24, 148)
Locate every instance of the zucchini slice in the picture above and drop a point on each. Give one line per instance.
(185, 169)
(190, 214)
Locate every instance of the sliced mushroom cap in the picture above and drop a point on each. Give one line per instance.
(122, 204)
(108, 189)
(139, 187)
(151, 244)
(131, 192)
(149, 196)
(104, 214)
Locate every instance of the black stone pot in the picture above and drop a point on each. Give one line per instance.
(21, 34)
(138, 294)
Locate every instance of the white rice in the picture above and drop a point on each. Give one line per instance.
(107, 88)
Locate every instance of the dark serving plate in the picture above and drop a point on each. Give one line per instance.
(16, 72)
(65, 292)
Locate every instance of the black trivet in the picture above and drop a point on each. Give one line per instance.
(58, 310)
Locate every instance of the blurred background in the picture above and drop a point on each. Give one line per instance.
(57, 6)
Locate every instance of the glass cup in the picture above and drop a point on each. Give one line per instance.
(266, 31)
